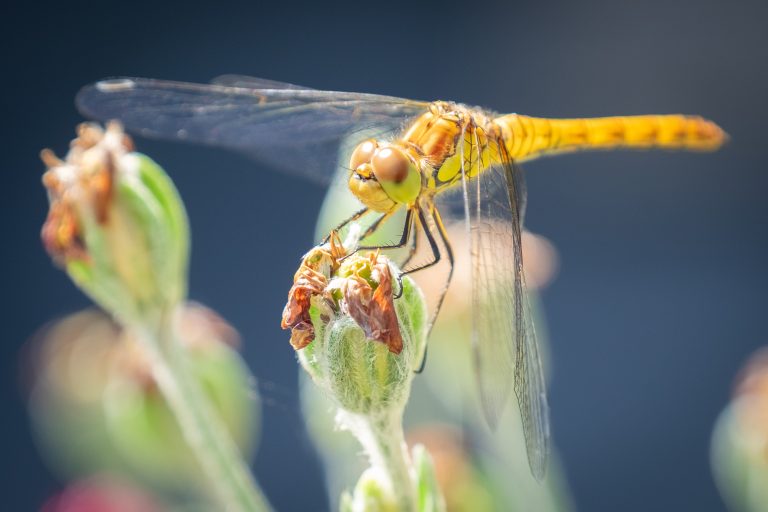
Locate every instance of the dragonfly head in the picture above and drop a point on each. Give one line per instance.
(384, 175)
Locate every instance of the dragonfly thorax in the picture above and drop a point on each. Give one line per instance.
(430, 156)
(452, 139)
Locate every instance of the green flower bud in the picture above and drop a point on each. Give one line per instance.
(116, 224)
(361, 346)
(372, 495)
(368, 496)
(353, 338)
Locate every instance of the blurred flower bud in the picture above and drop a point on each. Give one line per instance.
(143, 427)
(102, 494)
(354, 339)
(96, 406)
(369, 495)
(68, 367)
(116, 224)
(740, 440)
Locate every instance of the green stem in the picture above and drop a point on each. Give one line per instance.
(384, 443)
(202, 428)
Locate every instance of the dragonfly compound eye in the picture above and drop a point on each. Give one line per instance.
(390, 164)
(362, 153)
(397, 173)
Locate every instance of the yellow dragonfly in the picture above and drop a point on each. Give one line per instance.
(419, 151)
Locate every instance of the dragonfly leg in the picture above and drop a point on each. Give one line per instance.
(411, 250)
(407, 228)
(436, 255)
(373, 227)
(438, 222)
(408, 258)
(342, 224)
(449, 253)
(403, 237)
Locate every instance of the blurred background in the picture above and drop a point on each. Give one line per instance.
(662, 289)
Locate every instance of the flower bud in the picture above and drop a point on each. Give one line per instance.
(96, 407)
(116, 224)
(354, 339)
(103, 493)
(740, 440)
(369, 495)
(141, 422)
(371, 492)
(428, 494)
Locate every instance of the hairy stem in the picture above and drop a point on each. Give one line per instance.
(218, 455)
(384, 443)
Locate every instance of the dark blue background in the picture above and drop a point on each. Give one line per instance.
(663, 289)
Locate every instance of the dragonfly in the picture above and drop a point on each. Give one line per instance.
(408, 155)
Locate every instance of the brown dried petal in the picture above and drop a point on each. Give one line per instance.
(302, 335)
(357, 299)
(86, 176)
(323, 259)
(61, 234)
(383, 312)
(310, 279)
(307, 283)
(374, 311)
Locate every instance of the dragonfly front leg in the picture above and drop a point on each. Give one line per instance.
(404, 237)
(407, 225)
(373, 227)
(358, 214)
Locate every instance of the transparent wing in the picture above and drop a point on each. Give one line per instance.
(503, 335)
(251, 82)
(286, 125)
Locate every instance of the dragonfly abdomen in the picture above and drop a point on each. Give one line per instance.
(528, 137)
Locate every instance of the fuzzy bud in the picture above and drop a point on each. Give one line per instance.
(357, 342)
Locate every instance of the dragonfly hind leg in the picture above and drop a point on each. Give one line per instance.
(436, 254)
(411, 251)
(440, 228)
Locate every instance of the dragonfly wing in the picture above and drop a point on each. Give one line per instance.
(503, 335)
(252, 82)
(295, 128)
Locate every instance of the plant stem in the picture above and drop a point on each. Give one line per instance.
(202, 428)
(384, 443)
